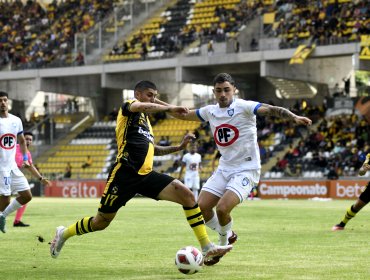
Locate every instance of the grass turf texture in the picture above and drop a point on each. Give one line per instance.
(278, 239)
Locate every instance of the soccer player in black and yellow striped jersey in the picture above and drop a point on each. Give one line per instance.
(363, 199)
(132, 173)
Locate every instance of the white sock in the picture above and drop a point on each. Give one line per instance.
(224, 233)
(12, 207)
(213, 223)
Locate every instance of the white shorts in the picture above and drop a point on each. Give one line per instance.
(192, 182)
(12, 182)
(241, 182)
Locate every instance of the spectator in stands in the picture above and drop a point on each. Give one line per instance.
(236, 45)
(68, 171)
(361, 202)
(80, 59)
(292, 171)
(87, 163)
(332, 174)
(210, 49)
(254, 45)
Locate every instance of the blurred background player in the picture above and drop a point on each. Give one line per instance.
(191, 162)
(28, 136)
(12, 179)
(363, 199)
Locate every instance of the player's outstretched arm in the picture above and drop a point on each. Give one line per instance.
(146, 107)
(280, 112)
(165, 150)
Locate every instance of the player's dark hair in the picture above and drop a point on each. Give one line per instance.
(3, 93)
(223, 77)
(28, 133)
(141, 85)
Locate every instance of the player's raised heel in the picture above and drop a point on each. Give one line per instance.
(57, 244)
(215, 252)
(231, 240)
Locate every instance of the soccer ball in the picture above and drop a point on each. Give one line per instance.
(189, 260)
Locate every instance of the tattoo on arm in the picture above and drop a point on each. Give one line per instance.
(165, 150)
(275, 111)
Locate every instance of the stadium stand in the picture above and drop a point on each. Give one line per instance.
(320, 22)
(180, 26)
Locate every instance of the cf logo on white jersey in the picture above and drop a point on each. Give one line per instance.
(225, 134)
(8, 141)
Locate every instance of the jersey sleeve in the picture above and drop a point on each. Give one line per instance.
(203, 113)
(250, 107)
(125, 108)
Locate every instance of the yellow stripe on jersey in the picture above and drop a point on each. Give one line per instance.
(148, 163)
(121, 132)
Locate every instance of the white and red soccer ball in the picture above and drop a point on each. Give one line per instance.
(189, 260)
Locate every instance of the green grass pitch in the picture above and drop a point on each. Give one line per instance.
(278, 239)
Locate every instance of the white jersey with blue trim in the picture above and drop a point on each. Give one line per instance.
(235, 132)
(10, 127)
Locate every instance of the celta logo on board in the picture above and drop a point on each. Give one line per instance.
(225, 134)
(8, 141)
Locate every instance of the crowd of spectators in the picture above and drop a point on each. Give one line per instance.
(320, 22)
(336, 148)
(35, 36)
(178, 27)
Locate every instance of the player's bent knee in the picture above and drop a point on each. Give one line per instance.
(365, 195)
(222, 209)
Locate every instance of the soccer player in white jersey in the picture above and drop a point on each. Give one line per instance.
(233, 125)
(191, 162)
(12, 179)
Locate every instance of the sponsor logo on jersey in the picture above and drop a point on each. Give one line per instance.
(225, 134)
(8, 141)
(146, 134)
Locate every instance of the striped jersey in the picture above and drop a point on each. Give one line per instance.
(135, 140)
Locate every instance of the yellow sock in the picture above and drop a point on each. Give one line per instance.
(196, 221)
(349, 215)
(81, 227)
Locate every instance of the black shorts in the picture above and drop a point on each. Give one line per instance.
(124, 183)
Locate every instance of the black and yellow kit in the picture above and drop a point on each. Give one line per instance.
(132, 172)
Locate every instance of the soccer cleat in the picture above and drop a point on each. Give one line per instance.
(212, 261)
(57, 244)
(215, 251)
(2, 223)
(337, 227)
(20, 224)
